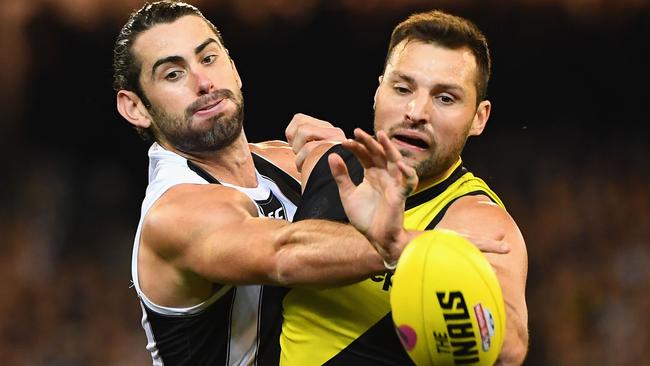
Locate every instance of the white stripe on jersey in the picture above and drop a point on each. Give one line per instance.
(151, 342)
(244, 325)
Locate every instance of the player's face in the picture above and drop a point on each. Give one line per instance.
(426, 103)
(192, 85)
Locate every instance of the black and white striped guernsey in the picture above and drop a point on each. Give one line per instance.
(237, 325)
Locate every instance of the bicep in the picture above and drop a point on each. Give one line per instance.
(214, 233)
(511, 270)
(480, 217)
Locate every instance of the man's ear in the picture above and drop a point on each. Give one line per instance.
(132, 109)
(374, 99)
(234, 69)
(480, 118)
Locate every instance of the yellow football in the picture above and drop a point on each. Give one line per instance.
(447, 303)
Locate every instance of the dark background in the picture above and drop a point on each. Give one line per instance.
(566, 148)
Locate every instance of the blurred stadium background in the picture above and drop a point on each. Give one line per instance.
(566, 147)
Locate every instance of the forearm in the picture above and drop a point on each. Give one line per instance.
(515, 344)
(511, 271)
(324, 253)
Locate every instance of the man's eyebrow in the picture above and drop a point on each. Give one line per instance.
(451, 87)
(205, 44)
(439, 86)
(401, 75)
(164, 60)
(167, 59)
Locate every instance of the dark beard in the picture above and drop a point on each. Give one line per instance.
(434, 166)
(438, 162)
(223, 130)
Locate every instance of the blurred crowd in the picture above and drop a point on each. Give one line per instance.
(588, 242)
(76, 176)
(67, 298)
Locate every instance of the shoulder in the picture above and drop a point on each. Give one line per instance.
(480, 212)
(279, 153)
(186, 210)
(319, 156)
(479, 217)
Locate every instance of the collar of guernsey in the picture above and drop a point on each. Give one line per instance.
(437, 187)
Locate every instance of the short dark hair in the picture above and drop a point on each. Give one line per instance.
(126, 67)
(451, 32)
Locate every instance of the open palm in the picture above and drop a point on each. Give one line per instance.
(376, 206)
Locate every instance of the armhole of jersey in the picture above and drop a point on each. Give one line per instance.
(191, 310)
(320, 199)
(438, 217)
(318, 167)
(172, 311)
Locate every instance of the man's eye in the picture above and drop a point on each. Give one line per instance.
(173, 75)
(401, 90)
(209, 59)
(446, 99)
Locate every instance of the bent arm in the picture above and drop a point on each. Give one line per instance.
(477, 215)
(214, 232)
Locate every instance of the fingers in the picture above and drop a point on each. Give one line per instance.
(361, 152)
(394, 156)
(304, 133)
(303, 129)
(373, 147)
(296, 122)
(304, 152)
(340, 173)
(485, 244)
(391, 151)
(369, 152)
(373, 152)
(411, 178)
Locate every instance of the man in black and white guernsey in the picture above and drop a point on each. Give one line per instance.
(214, 248)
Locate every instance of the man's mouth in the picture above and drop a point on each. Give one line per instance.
(411, 140)
(209, 108)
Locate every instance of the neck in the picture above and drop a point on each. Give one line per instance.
(425, 183)
(231, 164)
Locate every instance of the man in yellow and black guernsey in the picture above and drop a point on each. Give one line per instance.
(430, 99)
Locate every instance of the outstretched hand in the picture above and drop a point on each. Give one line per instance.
(376, 206)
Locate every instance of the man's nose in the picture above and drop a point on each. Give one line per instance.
(204, 84)
(418, 108)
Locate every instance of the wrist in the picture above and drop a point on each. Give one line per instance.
(390, 266)
(391, 252)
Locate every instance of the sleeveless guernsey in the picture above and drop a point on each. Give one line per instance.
(237, 325)
(352, 325)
